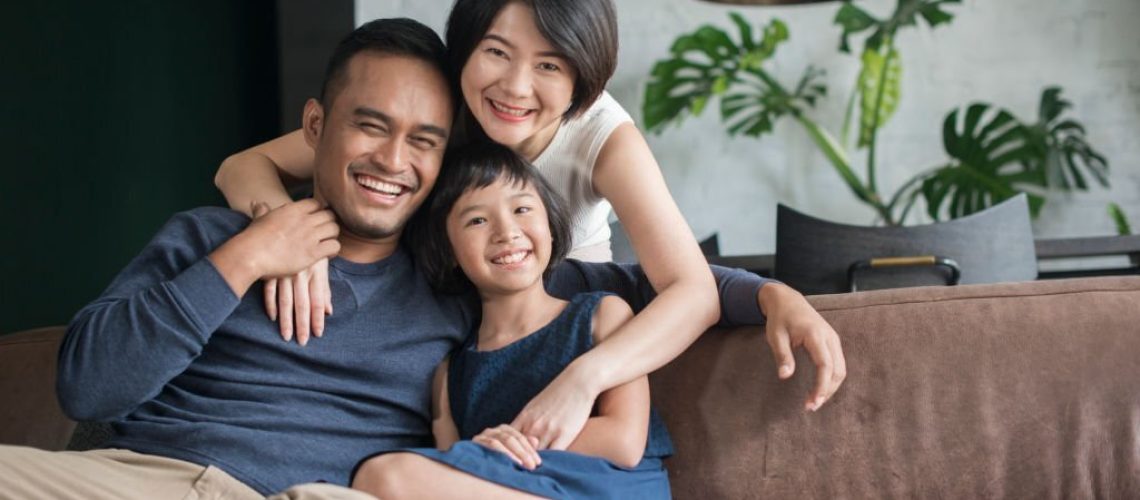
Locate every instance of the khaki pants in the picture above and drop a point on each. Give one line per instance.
(27, 473)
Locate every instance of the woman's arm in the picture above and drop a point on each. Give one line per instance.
(621, 427)
(686, 304)
(442, 425)
(261, 173)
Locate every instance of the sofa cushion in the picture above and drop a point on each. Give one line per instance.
(1028, 390)
(29, 412)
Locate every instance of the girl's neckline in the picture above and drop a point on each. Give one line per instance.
(564, 306)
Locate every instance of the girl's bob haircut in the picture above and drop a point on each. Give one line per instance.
(471, 167)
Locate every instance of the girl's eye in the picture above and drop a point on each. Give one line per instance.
(549, 67)
(476, 221)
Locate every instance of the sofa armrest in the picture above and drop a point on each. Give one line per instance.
(29, 412)
(1025, 390)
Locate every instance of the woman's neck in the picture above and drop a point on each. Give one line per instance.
(532, 147)
(510, 317)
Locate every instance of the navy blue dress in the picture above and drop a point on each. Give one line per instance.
(489, 388)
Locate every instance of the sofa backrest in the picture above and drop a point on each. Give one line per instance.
(1028, 390)
(29, 412)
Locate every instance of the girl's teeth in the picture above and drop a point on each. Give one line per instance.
(512, 258)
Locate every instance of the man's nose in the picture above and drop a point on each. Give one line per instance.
(391, 155)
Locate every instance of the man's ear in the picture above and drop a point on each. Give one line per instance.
(313, 122)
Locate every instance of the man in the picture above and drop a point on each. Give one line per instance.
(204, 397)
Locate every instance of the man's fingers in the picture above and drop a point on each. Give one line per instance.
(301, 307)
(271, 299)
(285, 307)
(781, 346)
(840, 372)
(824, 366)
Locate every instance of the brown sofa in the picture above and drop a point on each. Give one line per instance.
(1024, 390)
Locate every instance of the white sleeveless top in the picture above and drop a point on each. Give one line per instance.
(568, 164)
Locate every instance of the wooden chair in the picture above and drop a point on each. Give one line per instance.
(817, 256)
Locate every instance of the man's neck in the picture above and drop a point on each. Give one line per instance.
(366, 251)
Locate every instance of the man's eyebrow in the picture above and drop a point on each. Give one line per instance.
(382, 116)
(504, 41)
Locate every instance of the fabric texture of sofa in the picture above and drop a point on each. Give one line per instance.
(1022, 390)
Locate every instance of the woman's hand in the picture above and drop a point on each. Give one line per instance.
(298, 303)
(557, 414)
(509, 441)
(793, 322)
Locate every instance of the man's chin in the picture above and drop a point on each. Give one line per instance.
(371, 230)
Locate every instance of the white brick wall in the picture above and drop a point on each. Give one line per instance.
(999, 51)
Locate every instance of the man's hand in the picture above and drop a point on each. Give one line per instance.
(792, 322)
(557, 414)
(509, 441)
(283, 242)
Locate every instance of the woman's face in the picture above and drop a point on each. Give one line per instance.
(516, 84)
(500, 235)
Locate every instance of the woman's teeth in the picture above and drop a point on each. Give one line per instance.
(510, 111)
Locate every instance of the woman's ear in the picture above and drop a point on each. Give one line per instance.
(313, 122)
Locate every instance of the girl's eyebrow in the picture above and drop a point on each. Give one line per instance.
(472, 208)
(504, 41)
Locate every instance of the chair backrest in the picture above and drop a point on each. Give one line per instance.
(994, 245)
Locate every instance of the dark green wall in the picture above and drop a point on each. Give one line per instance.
(115, 116)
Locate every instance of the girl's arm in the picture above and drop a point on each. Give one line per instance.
(621, 427)
(261, 173)
(686, 304)
(442, 425)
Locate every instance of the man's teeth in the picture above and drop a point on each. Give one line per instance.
(510, 111)
(378, 185)
(511, 258)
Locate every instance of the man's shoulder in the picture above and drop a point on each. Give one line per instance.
(213, 219)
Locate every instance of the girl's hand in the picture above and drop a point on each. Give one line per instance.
(557, 414)
(509, 441)
(299, 303)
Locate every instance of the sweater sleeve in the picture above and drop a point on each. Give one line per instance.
(146, 328)
(738, 289)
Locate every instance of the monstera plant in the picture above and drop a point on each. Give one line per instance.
(993, 155)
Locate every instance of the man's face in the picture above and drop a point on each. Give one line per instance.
(380, 145)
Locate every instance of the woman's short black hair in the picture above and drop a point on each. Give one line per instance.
(475, 166)
(584, 31)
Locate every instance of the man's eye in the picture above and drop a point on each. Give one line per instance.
(423, 143)
(372, 127)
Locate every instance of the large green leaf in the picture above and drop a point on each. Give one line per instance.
(1065, 158)
(989, 149)
(707, 63)
(879, 90)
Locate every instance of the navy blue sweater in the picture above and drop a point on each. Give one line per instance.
(183, 368)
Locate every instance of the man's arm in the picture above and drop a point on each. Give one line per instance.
(745, 299)
(738, 289)
(161, 310)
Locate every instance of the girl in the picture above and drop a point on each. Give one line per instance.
(495, 225)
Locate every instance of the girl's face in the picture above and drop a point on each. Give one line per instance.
(500, 235)
(516, 84)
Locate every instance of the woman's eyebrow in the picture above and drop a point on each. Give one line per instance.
(504, 41)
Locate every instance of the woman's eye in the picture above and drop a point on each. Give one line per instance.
(496, 52)
(522, 210)
(549, 67)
